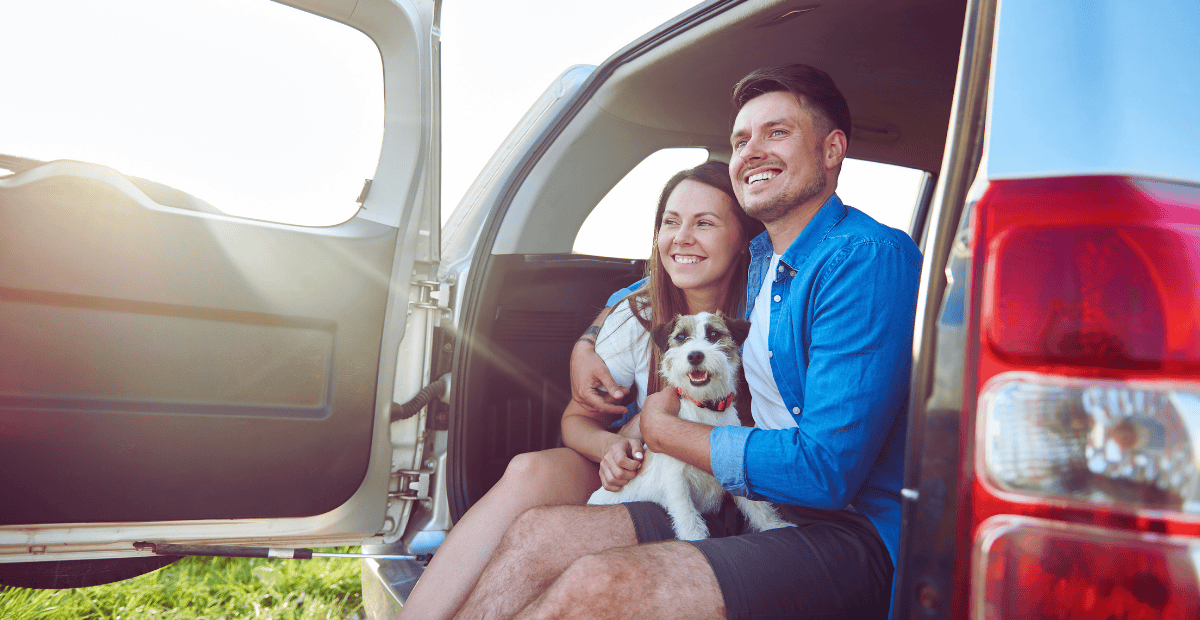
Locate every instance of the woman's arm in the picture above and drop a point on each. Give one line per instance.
(619, 455)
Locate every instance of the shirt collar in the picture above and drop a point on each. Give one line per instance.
(814, 232)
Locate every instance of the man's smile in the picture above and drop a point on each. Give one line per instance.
(759, 177)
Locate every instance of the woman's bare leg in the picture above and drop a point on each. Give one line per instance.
(548, 478)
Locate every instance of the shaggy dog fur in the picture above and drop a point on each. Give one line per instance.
(700, 359)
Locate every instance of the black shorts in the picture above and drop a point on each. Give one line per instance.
(832, 565)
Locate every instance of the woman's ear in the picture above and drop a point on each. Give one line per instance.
(661, 334)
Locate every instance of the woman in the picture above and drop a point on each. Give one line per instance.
(699, 264)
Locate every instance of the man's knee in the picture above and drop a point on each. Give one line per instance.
(529, 531)
(535, 519)
(597, 577)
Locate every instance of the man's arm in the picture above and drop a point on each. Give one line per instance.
(854, 389)
(664, 431)
(589, 373)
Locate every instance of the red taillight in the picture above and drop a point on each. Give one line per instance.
(1105, 310)
(1087, 409)
(1044, 570)
(1095, 272)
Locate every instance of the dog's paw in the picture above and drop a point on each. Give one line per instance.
(603, 498)
(691, 527)
(691, 535)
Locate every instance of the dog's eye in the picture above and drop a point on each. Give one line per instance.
(681, 336)
(712, 334)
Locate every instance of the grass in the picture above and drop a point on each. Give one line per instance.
(197, 587)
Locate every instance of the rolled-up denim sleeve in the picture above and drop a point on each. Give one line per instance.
(727, 452)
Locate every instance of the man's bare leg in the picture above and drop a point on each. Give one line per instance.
(539, 546)
(662, 580)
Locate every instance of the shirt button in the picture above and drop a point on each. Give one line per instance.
(795, 411)
(777, 298)
(781, 269)
(793, 274)
(770, 354)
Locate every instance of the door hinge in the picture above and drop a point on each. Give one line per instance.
(425, 297)
(434, 295)
(411, 484)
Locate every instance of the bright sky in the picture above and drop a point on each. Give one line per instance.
(498, 57)
(179, 93)
(491, 75)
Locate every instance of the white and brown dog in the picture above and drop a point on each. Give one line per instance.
(700, 359)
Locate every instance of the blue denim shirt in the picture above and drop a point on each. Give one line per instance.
(840, 343)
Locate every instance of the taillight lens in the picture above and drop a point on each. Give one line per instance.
(1100, 273)
(1045, 570)
(1114, 442)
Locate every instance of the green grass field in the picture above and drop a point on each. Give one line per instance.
(207, 588)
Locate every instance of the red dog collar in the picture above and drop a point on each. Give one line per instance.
(715, 405)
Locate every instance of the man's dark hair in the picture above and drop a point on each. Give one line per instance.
(812, 87)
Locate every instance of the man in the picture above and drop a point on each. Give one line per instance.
(831, 296)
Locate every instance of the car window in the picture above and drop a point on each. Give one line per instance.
(277, 115)
(622, 224)
(886, 193)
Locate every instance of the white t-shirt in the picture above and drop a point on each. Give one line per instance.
(624, 345)
(768, 408)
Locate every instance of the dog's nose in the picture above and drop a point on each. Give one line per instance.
(696, 358)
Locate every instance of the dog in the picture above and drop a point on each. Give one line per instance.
(700, 360)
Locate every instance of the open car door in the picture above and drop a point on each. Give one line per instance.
(172, 373)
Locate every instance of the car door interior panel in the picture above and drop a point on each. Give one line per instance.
(166, 355)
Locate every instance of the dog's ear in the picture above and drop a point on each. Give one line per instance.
(661, 334)
(738, 329)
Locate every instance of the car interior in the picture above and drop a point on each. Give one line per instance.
(896, 63)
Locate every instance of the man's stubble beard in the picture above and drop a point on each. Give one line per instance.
(781, 205)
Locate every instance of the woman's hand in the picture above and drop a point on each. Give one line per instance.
(621, 463)
(588, 373)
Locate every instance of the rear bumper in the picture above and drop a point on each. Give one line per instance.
(386, 584)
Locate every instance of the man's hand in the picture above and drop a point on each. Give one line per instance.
(621, 463)
(588, 373)
(664, 431)
(660, 410)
